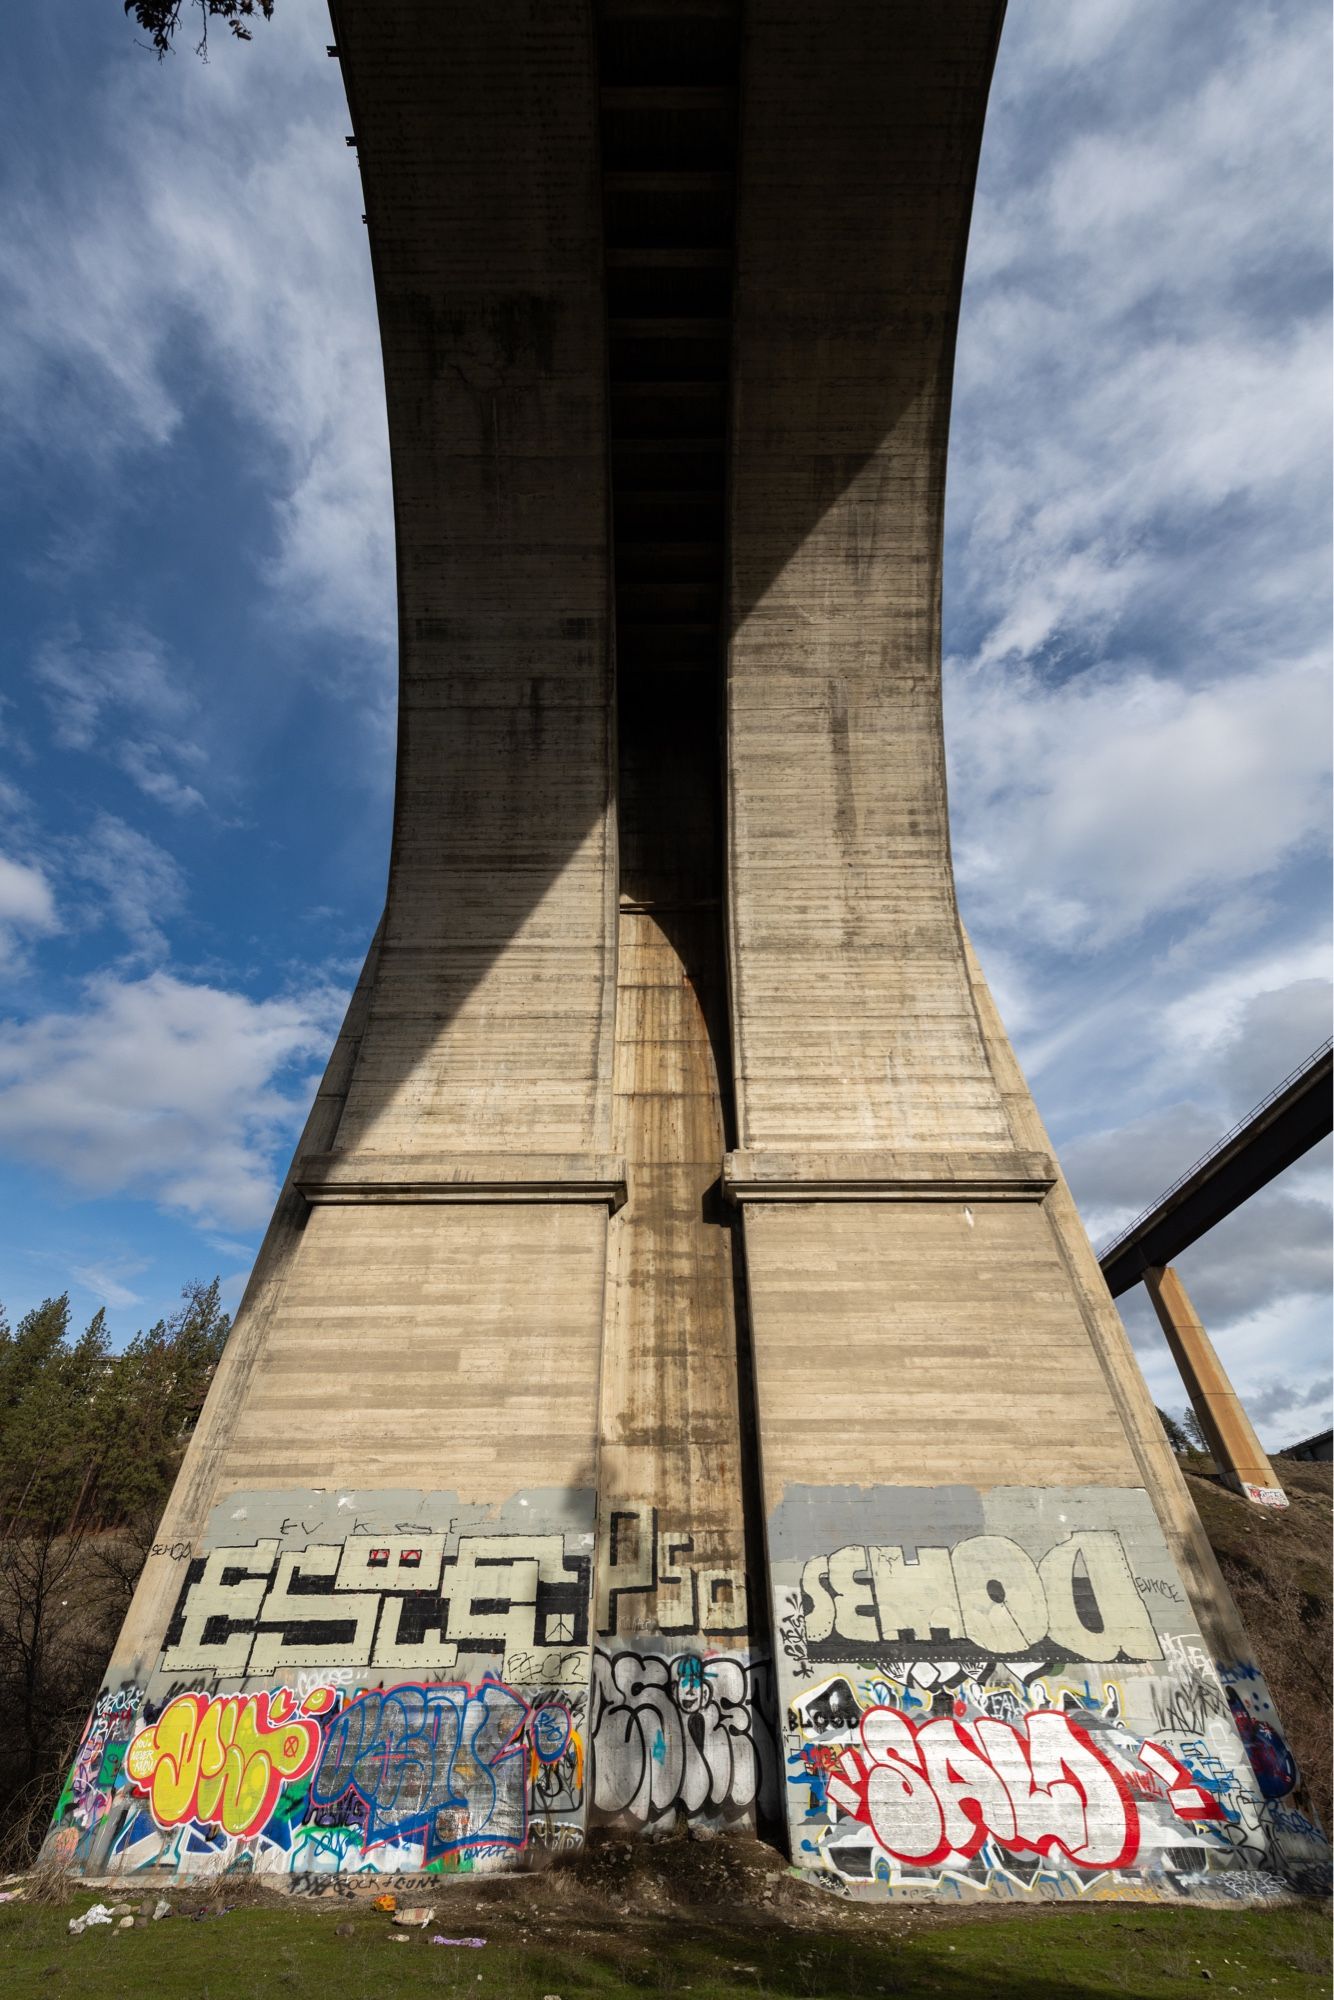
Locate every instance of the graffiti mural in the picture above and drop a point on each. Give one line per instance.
(391, 1779)
(385, 1605)
(686, 1733)
(100, 1756)
(947, 1786)
(1003, 1693)
(986, 1596)
(224, 1759)
(444, 1765)
(900, 1782)
(368, 1684)
(650, 1565)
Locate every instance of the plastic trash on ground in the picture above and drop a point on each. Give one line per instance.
(474, 1942)
(414, 1919)
(389, 1903)
(98, 1914)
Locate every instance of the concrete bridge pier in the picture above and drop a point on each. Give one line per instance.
(676, 1384)
(1237, 1451)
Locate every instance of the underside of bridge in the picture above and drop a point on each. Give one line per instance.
(676, 1385)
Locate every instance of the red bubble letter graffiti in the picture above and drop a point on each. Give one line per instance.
(941, 1787)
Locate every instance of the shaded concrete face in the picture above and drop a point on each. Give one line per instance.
(676, 1383)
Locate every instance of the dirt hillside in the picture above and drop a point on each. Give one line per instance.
(1277, 1561)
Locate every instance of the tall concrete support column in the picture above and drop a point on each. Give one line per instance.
(1240, 1457)
(516, 1467)
(968, 1552)
(376, 1570)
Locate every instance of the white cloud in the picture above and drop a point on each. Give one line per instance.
(160, 1087)
(1261, 1014)
(219, 246)
(1137, 573)
(1283, 1400)
(1086, 806)
(27, 909)
(1138, 607)
(84, 685)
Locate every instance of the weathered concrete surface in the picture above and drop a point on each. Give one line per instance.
(852, 1020)
(438, 1341)
(519, 1489)
(921, 1323)
(490, 1025)
(1237, 1451)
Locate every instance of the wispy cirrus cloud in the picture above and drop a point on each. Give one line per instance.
(128, 701)
(128, 881)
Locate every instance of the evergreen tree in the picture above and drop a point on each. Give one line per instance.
(1175, 1435)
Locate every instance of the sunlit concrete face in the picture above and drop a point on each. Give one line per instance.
(676, 1384)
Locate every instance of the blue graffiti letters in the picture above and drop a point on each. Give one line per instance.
(442, 1764)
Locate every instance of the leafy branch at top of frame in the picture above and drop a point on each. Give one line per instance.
(160, 19)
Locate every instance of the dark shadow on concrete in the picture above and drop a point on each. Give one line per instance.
(889, 102)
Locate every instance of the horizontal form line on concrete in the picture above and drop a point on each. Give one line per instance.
(355, 1177)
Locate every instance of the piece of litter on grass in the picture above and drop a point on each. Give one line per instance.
(389, 1903)
(97, 1914)
(400, 1937)
(417, 1918)
(474, 1942)
(10, 1895)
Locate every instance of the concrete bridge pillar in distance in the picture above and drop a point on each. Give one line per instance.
(1237, 1451)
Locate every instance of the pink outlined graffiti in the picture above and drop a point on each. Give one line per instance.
(224, 1759)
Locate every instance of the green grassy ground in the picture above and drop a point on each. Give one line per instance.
(344, 1952)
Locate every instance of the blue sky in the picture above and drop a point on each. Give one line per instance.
(196, 731)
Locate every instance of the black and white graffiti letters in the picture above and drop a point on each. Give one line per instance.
(792, 1634)
(658, 1570)
(1078, 1601)
(381, 1603)
(1189, 1699)
(686, 1732)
